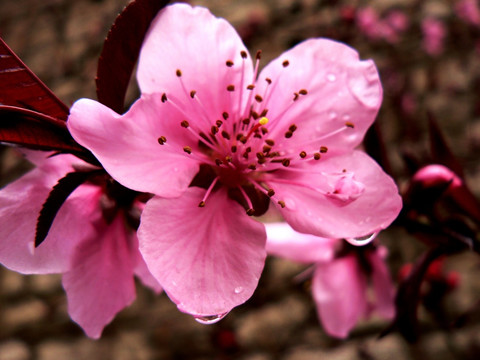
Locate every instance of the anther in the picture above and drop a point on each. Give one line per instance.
(295, 96)
(185, 124)
(268, 80)
(292, 128)
(229, 63)
(264, 112)
(250, 87)
(226, 135)
(225, 115)
(286, 63)
(323, 149)
(218, 162)
(317, 156)
(270, 192)
(303, 154)
(243, 139)
(260, 155)
(243, 54)
(257, 135)
(264, 130)
(254, 114)
(245, 155)
(350, 124)
(280, 202)
(246, 121)
(179, 73)
(231, 87)
(252, 167)
(286, 162)
(288, 134)
(164, 97)
(219, 123)
(187, 149)
(234, 148)
(270, 142)
(250, 212)
(193, 93)
(248, 149)
(266, 148)
(228, 158)
(258, 55)
(262, 161)
(214, 130)
(162, 140)
(303, 92)
(201, 204)
(258, 98)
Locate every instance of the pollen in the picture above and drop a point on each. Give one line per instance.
(263, 121)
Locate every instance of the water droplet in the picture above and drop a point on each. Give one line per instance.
(362, 240)
(209, 319)
(238, 290)
(346, 117)
(331, 77)
(333, 115)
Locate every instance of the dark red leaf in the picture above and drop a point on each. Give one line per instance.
(120, 51)
(20, 87)
(60, 192)
(439, 148)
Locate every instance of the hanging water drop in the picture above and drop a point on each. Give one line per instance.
(209, 319)
(238, 290)
(362, 240)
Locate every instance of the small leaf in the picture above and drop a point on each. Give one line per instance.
(60, 192)
(20, 87)
(439, 148)
(120, 51)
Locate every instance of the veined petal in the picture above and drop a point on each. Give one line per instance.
(343, 95)
(339, 290)
(369, 202)
(128, 146)
(193, 41)
(285, 242)
(207, 259)
(21, 202)
(101, 281)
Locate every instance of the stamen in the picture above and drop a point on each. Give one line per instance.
(285, 63)
(229, 63)
(252, 167)
(250, 87)
(179, 73)
(250, 210)
(303, 92)
(226, 135)
(225, 115)
(234, 148)
(270, 142)
(219, 123)
(288, 134)
(164, 98)
(231, 87)
(209, 190)
(258, 98)
(268, 80)
(258, 55)
(243, 54)
(162, 140)
(286, 162)
(303, 154)
(193, 93)
(281, 203)
(214, 130)
(295, 96)
(187, 149)
(185, 124)
(270, 192)
(323, 149)
(350, 124)
(317, 156)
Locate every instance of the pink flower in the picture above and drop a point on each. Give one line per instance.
(340, 282)
(434, 33)
(98, 259)
(469, 11)
(212, 137)
(390, 28)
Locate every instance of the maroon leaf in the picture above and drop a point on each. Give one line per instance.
(60, 192)
(120, 51)
(19, 86)
(439, 148)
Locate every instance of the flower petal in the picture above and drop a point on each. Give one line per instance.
(355, 213)
(21, 202)
(128, 146)
(382, 285)
(208, 260)
(340, 88)
(192, 40)
(101, 282)
(285, 242)
(339, 290)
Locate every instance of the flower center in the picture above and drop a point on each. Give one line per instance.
(237, 145)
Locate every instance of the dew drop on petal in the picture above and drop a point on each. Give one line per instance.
(209, 319)
(362, 240)
(331, 77)
(238, 290)
(333, 115)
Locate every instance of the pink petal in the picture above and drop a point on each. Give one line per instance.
(312, 207)
(192, 40)
(285, 242)
(208, 260)
(341, 89)
(339, 290)
(128, 147)
(21, 202)
(382, 285)
(101, 282)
